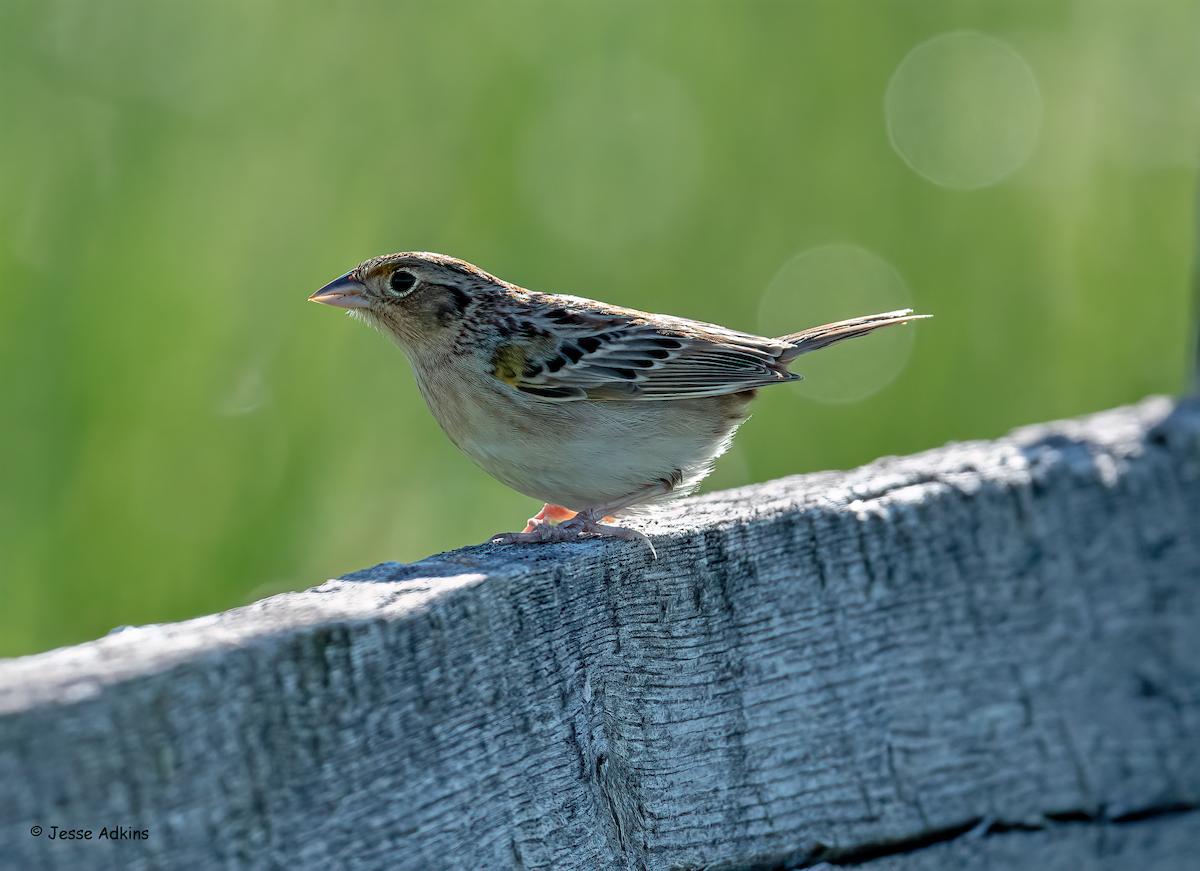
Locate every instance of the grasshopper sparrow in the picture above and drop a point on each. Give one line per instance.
(592, 409)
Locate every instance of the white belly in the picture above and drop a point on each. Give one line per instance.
(585, 454)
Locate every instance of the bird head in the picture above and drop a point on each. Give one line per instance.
(413, 297)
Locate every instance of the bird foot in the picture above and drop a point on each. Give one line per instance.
(540, 529)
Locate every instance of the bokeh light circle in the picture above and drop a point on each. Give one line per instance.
(833, 283)
(963, 110)
(615, 154)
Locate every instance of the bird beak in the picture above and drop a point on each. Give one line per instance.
(343, 292)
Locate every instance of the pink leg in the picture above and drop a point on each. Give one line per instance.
(592, 520)
(549, 512)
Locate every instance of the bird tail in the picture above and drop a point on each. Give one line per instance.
(815, 338)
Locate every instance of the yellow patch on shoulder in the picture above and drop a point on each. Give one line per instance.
(508, 363)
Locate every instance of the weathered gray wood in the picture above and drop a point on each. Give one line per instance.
(1163, 843)
(813, 668)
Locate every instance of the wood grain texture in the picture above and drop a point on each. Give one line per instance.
(819, 668)
(1162, 843)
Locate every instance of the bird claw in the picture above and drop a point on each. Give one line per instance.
(540, 530)
(535, 533)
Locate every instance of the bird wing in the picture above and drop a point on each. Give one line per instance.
(571, 349)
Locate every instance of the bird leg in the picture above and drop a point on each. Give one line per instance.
(549, 512)
(571, 525)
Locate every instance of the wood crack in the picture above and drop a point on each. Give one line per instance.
(976, 829)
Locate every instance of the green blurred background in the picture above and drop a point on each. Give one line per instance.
(183, 433)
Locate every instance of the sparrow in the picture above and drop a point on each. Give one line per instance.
(593, 409)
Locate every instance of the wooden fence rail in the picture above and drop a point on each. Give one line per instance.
(983, 656)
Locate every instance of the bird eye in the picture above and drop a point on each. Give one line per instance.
(402, 282)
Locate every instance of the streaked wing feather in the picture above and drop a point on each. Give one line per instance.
(622, 356)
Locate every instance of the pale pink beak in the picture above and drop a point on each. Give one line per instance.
(343, 292)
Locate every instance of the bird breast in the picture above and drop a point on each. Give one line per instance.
(562, 452)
